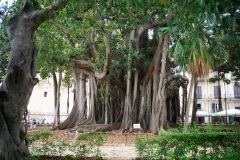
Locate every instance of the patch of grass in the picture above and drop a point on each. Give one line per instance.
(44, 135)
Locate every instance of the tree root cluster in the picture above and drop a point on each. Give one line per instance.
(96, 128)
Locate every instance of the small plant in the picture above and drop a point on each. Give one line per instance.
(231, 119)
(92, 141)
(39, 135)
(173, 130)
(193, 129)
(208, 128)
(180, 124)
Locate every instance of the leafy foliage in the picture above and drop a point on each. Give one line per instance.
(194, 28)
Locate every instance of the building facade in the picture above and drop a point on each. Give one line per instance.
(207, 96)
(41, 104)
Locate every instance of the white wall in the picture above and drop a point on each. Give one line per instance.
(43, 107)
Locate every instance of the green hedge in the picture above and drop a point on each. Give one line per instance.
(210, 145)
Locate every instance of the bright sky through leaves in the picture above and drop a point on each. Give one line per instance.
(3, 1)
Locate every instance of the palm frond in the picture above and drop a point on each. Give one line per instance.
(218, 53)
(176, 51)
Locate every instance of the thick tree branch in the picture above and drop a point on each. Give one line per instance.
(116, 82)
(105, 72)
(92, 46)
(79, 64)
(170, 65)
(50, 11)
(155, 60)
(135, 35)
(178, 76)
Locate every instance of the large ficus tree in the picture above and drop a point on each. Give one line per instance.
(20, 78)
(114, 54)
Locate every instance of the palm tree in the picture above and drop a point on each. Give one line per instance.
(199, 64)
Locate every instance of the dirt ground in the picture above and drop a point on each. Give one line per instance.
(119, 152)
(116, 146)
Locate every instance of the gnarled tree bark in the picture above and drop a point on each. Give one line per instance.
(20, 79)
(57, 94)
(78, 113)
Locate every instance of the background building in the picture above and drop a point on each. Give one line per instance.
(41, 104)
(207, 96)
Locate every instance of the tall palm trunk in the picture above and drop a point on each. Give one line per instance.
(219, 92)
(194, 110)
(185, 125)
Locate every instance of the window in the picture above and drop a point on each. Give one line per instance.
(216, 92)
(45, 94)
(215, 107)
(199, 107)
(236, 91)
(199, 92)
(237, 107)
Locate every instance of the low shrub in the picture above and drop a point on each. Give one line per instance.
(195, 145)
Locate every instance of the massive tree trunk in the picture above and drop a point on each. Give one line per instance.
(20, 79)
(135, 98)
(93, 96)
(162, 92)
(145, 105)
(78, 113)
(127, 116)
(93, 102)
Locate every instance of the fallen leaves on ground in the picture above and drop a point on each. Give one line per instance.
(111, 138)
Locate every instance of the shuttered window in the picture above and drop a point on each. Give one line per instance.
(199, 92)
(198, 106)
(215, 107)
(45, 94)
(216, 92)
(236, 92)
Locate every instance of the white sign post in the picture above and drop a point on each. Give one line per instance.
(137, 126)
